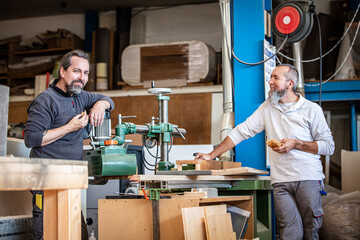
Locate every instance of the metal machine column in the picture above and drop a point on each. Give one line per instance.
(248, 37)
(164, 119)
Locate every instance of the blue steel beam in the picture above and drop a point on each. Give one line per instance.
(248, 42)
(335, 91)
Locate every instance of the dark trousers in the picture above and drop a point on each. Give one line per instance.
(38, 214)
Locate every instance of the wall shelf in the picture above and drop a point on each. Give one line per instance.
(334, 90)
(42, 52)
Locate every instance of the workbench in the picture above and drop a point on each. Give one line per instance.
(252, 193)
(61, 181)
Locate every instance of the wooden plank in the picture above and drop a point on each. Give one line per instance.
(194, 195)
(69, 214)
(45, 174)
(194, 217)
(210, 211)
(239, 171)
(62, 214)
(226, 165)
(40, 84)
(187, 172)
(204, 164)
(219, 227)
(190, 178)
(211, 165)
(243, 202)
(214, 210)
(171, 223)
(194, 225)
(132, 219)
(225, 199)
(50, 214)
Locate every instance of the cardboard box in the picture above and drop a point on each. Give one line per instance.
(350, 168)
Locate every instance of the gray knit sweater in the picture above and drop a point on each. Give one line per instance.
(54, 108)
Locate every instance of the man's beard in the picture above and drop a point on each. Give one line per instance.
(276, 96)
(75, 89)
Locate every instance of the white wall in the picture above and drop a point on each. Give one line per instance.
(189, 22)
(29, 27)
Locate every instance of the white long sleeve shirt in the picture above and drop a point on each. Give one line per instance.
(303, 121)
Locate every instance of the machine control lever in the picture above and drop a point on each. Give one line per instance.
(177, 129)
(123, 117)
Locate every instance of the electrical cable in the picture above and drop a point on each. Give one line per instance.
(265, 60)
(342, 64)
(320, 46)
(332, 49)
(145, 162)
(156, 160)
(145, 144)
(171, 143)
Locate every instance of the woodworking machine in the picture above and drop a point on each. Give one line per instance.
(108, 155)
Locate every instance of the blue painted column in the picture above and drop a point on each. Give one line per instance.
(248, 37)
(353, 128)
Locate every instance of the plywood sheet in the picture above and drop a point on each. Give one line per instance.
(194, 220)
(219, 227)
(132, 219)
(194, 225)
(171, 223)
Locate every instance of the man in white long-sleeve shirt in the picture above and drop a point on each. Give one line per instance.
(296, 170)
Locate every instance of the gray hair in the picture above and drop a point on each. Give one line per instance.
(65, 61)
(291, 74)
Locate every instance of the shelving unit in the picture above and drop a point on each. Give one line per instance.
(334, 90)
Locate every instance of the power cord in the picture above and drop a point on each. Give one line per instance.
(320, 46)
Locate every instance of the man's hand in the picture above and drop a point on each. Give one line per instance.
(224, 146)
(98, 111)
(203, 156)
(78, 122)
(287, 145)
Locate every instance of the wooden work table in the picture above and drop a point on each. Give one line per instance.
(61, 181)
